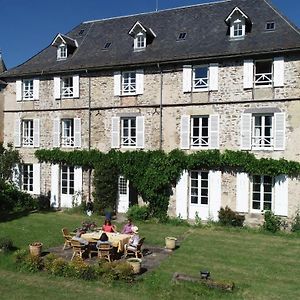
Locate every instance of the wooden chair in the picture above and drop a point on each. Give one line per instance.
(104, 251)
(93, 248)
(78, 249)
(137, 251)
(67, 237)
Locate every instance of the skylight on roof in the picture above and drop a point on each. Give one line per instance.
(181, 36)
(81, 32)
(107, 45)
(270, 25)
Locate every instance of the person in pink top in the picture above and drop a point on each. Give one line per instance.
(108, 227)
(127, 229)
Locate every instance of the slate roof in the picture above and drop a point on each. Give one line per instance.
(207, 38)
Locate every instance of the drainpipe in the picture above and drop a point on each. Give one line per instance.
(89, 139)
(160, 108)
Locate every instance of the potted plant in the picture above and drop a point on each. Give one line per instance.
(170, 242)
(135, 264)
(35, 248)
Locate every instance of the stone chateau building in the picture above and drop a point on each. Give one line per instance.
(224, 75)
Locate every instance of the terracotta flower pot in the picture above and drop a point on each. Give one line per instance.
(35, 248)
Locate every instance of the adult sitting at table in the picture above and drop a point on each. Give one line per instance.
(80, 239)
(127, 229)
(134, 240)
(108, 227)
(103, 240)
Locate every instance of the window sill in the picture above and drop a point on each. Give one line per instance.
(200, 90)
(269, 149)
(128, 95)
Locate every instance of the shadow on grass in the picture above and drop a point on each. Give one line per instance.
(6, 217)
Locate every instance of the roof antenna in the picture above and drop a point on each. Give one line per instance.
(156, 5)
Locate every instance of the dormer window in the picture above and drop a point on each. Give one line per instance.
(238, 28)
(140, 41)
(62, 52)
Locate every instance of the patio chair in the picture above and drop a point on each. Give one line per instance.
(67, 237)
(78, 249)
(93, 248)
(105, 251)
(136, 251)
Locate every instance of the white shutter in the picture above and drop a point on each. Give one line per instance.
(56, 133)
(214, 131)
(37, 179)
(77, 132)
(214, 194)
(248, 73)
(36, 89)
(78, 184)
(76, 86)
(17, 133)
(36, 133)
(242, 192)
(278, 71)
(187, 79)
(57, 88)
(213, 77)
(115, 132)
(139, 82)
(279, 131)
(246, 131)
(117, 83)
(185, 132)
(54, 202)
(19, 90)
(182, 192)
(281, 195)
(140, 132)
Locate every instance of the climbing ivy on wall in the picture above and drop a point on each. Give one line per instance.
(153, 173)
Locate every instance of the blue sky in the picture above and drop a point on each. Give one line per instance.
(28, 26)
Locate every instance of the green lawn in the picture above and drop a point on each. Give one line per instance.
(263, 266)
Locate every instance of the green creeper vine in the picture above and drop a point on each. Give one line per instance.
(153, 173)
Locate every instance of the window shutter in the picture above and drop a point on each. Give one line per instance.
(187, 78)
(214, 131)
(185, 132)
(19, 90)
(77, 132)
(37, 179)
(281, 195)
(246, 131)
(57, 88)
(213, 77)
(279, 131)
(140, 132)
(54, 186)
(117, 83)
(76, 86)
(16, 175)
(139, 82)
(214, 194)
(242, 192)
(56, 133)
(248, 73)
(182, 194)
(36, 133)
(36, 89)
(115, 132)
(17, 133)
(278, 71)
(78, 184)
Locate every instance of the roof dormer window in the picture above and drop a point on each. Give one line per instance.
(62, 52)
(65, 46)
(237, 29)
(140, 41)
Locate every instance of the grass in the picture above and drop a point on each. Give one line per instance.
(262, 266)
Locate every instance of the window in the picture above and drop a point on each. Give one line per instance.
(237, 21)
(199, 187)
(200, 77)
(140, 41)
(67, 137)
(128, 83)
(200, 131)
(263, 72)
(262, 131)
(270, 25)
(128, 130)
(181, 36)
(67, 180)
(62, 52)
(67, 88)
(81, 32)
(262, 192)
(238, 28)
(27, 177)
(28, 89)
(27, 132)
(107, 45)
(122, 186)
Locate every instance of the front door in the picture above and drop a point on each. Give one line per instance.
(123, 192)
(199, 195)
(67, 186)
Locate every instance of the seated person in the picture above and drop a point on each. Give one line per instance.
(127, 229)
(134, 240)
(108, 227)
(103, 240)
(78, 238)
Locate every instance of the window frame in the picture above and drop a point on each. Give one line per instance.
(263, 79)
(140, 41)
(67, 139)
(67, 87)
(27, 138)
(132, 139)
(241, 28)
(62, 52)
(27, 181)
(262, 135)
(200, 136)
(68, 171)
(131, 85)
(199, 188)
(203, 81)
(27, 89)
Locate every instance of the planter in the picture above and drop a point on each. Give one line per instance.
(136, 264)
(35, 249)
(170, 243)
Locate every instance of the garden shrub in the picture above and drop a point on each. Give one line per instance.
(228, 217)
(138, 213)
(122, 270)
(20, 256)
(176, 221)
(48, 261)
(296, 222)
(77, 268)
(6, 244)
(272, 223)
(57, 267)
